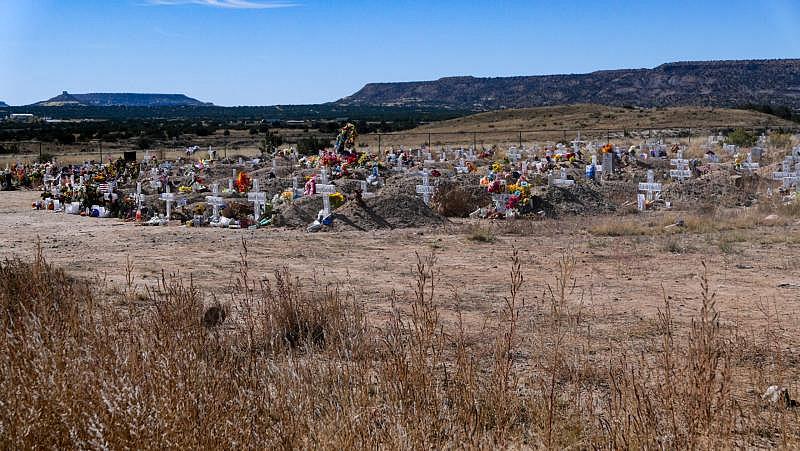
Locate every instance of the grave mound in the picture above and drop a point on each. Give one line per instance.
(718, 188)
(299, 213)
(580, 199)
(386, 212)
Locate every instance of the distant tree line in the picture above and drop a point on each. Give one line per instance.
(781, 111)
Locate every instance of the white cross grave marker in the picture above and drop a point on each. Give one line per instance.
(326, 190)
(462, 167)
(425, 189)
(562, 181)
(681, 171)
(365, 194)
(258, 198)
(749, 165)
(650, 188)
(215, 201)
(169, 198)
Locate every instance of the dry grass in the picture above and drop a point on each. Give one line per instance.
(293, 367)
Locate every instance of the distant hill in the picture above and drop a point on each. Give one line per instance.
(704, 83)
(555, 123)
(121, 99)
(3, 104)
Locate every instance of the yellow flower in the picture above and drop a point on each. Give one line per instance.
(337, 199)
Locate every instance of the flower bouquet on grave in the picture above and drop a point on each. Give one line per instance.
(184, 189)
(337, 200)
(495, 187)
(330, 159)
(242, 182)
(497, 167)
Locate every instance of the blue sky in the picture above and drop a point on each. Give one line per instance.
(254, 52)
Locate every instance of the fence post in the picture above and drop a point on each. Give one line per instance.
(520, 139)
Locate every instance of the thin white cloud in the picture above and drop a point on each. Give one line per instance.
(228, 4)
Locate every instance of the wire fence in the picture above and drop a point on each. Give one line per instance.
(28, 151)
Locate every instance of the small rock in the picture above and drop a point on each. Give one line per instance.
(772, 217)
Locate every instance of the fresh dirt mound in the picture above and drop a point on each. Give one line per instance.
(581, 199)
(460, 196)
(718, 189)
(299, 213)
(386, 212)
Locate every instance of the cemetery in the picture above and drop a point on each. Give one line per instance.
(349, 188)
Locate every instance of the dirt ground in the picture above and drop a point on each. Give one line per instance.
(621, 279)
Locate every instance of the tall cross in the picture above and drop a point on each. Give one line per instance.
(215, 201)
(258, 198)
(425, 189)
(169, 198)
(326, 189)
(650, 187)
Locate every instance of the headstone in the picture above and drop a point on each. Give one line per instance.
(608, 164)
(169, 198)
(425, 189)
(756, 153)
(514, 155)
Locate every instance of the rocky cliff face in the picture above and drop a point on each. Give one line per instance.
(706, 83)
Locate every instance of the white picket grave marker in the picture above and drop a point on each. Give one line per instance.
(681, 171)
(425, 189)
(730, 148)
(462, 167)
(562, 181)
(749, 165)
(275, 167)
(325, 189)
(258, 198)
(215, 201)
(650, 188)
(513, 155)
(169, 198)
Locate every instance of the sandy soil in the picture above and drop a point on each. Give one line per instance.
(621, 278)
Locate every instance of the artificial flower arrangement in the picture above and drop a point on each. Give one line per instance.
(337, 199)
(242, 182)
